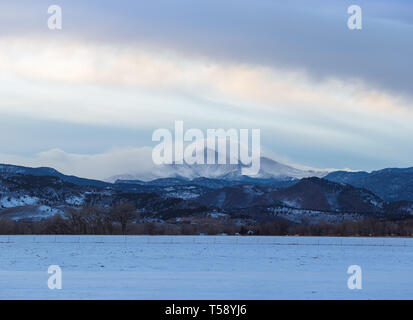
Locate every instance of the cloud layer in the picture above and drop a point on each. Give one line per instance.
(95, 166)
(322, 95)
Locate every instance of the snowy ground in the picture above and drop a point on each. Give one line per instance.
(203, 267)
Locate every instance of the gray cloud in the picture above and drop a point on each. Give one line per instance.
(310, 35)
(298, 35)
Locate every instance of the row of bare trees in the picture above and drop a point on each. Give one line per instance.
(95, 220)
(124, 219)
(367, 228)
(86, 220)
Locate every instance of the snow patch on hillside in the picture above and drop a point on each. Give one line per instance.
(11, 202)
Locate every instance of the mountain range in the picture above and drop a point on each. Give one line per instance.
(278, 191)
(390, 184)
(269, 169)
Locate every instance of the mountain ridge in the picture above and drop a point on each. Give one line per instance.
(390, 184)
(38, 193)
(269, 169)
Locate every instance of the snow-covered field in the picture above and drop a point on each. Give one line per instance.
(204, 267)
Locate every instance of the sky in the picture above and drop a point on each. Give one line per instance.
(86, 99)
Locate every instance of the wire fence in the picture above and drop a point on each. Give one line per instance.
(210, 240)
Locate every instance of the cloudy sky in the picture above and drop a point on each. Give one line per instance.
(86, 99)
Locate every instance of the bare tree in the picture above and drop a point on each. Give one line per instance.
(124, 213)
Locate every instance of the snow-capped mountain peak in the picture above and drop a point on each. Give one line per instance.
(269, 169)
